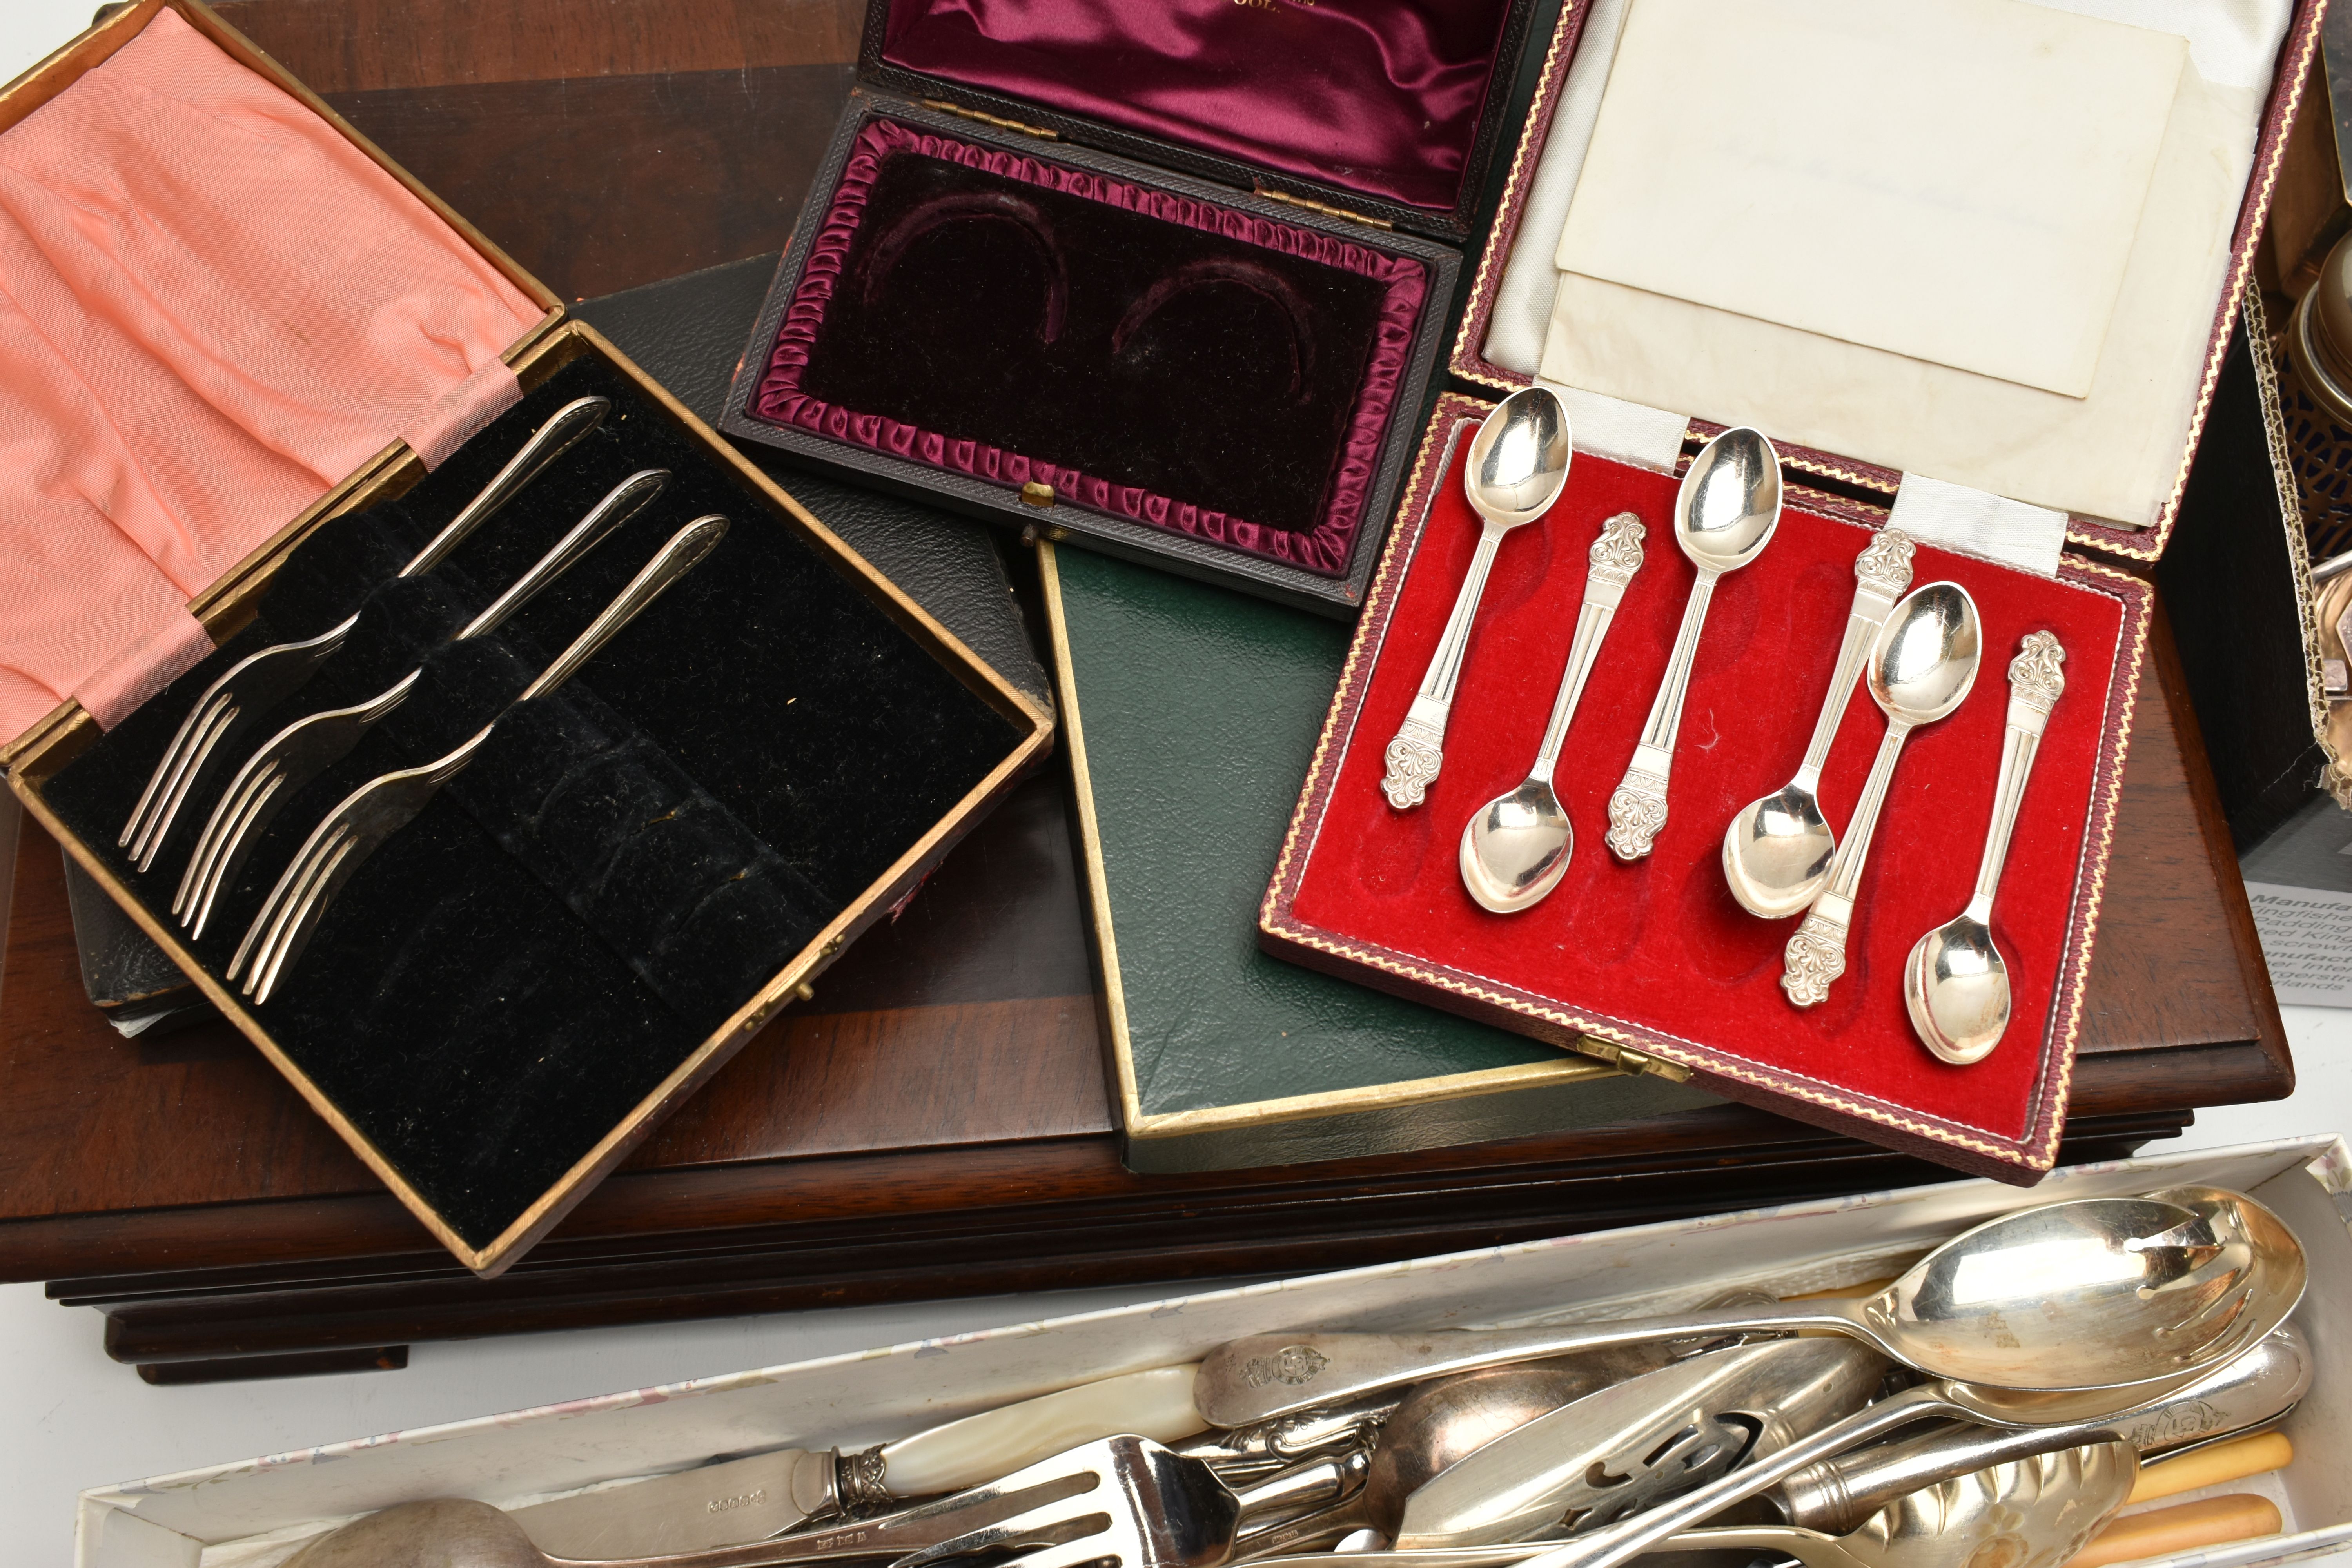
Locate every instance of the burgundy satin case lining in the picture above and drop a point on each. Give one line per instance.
(782, 397)
(1380, 96)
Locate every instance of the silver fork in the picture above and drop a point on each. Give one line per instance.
(303, 750)
(382, 808)
(259, 682)
(1145, 1507)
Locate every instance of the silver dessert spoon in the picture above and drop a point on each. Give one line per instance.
(1516, 848)
(1519, 465)
(1776, 852)
(2091, 1292)
(1922, 666)
(1725, 515)
(1955, 984)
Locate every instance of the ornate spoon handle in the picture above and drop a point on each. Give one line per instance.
(1637, 808)
(2034, 684)
(1417, 752)
(1816, 953)
(1616, 555)
(1881, 572)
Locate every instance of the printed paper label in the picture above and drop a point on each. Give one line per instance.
(2307, 941)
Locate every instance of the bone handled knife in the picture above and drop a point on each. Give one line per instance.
(768, 1494)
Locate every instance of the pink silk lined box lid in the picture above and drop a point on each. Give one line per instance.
(214, 308)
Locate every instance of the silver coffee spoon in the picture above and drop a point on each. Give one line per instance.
(1724, 514)
(1519, 465)
(1776, 852)
(2091, 1292)
(1923, 666)
(1955, 984)
(1516, 848)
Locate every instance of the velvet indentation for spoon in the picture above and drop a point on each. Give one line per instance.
(1262, 281)
(982, 207)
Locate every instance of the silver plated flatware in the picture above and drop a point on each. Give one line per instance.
(2095, 1292)
(1922, 665)
(1519, 463)
(1724, 514)
(2246, 1391)
(1956, 983)
(259, 682)
(283, 764)
(1516, 848)
(371, 813)
(1776, 851)
(1622, 1448)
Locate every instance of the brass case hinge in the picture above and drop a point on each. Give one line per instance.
(1036, 494)
(1324, 208)
(944, 107)
(1632, 1060)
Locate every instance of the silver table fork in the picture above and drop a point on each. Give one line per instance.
(309, 746)
(1137, 1505)
(382, 808)
(259, 682)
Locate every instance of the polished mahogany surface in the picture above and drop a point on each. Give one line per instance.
(935, 1122)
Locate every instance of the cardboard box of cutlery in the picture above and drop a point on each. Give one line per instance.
(490, 921)
(1640, 951)
(1168, 280)
(255, 1513)
(1984, 256)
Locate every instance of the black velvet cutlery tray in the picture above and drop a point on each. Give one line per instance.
(634, 871)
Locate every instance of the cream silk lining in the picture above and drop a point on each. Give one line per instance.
(213, 308)
(2113, 455)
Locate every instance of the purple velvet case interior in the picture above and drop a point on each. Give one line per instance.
(1382, 97)
(1148, 354)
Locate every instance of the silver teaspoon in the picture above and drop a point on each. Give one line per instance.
(1776, 852)
(1724, 517)
(1519, 465)
(1516, 848)
(1955, 983)
(1922, 666)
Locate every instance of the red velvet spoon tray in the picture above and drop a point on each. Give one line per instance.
(1655, 957)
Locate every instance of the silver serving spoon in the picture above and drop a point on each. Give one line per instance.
(1519, 465)
(2088, 1293)
(1776, 852)
(1922, 666)
(1954, 983)
(1516, 848)
(1724, 514)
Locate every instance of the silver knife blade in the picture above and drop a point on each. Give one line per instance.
(716, 1505)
